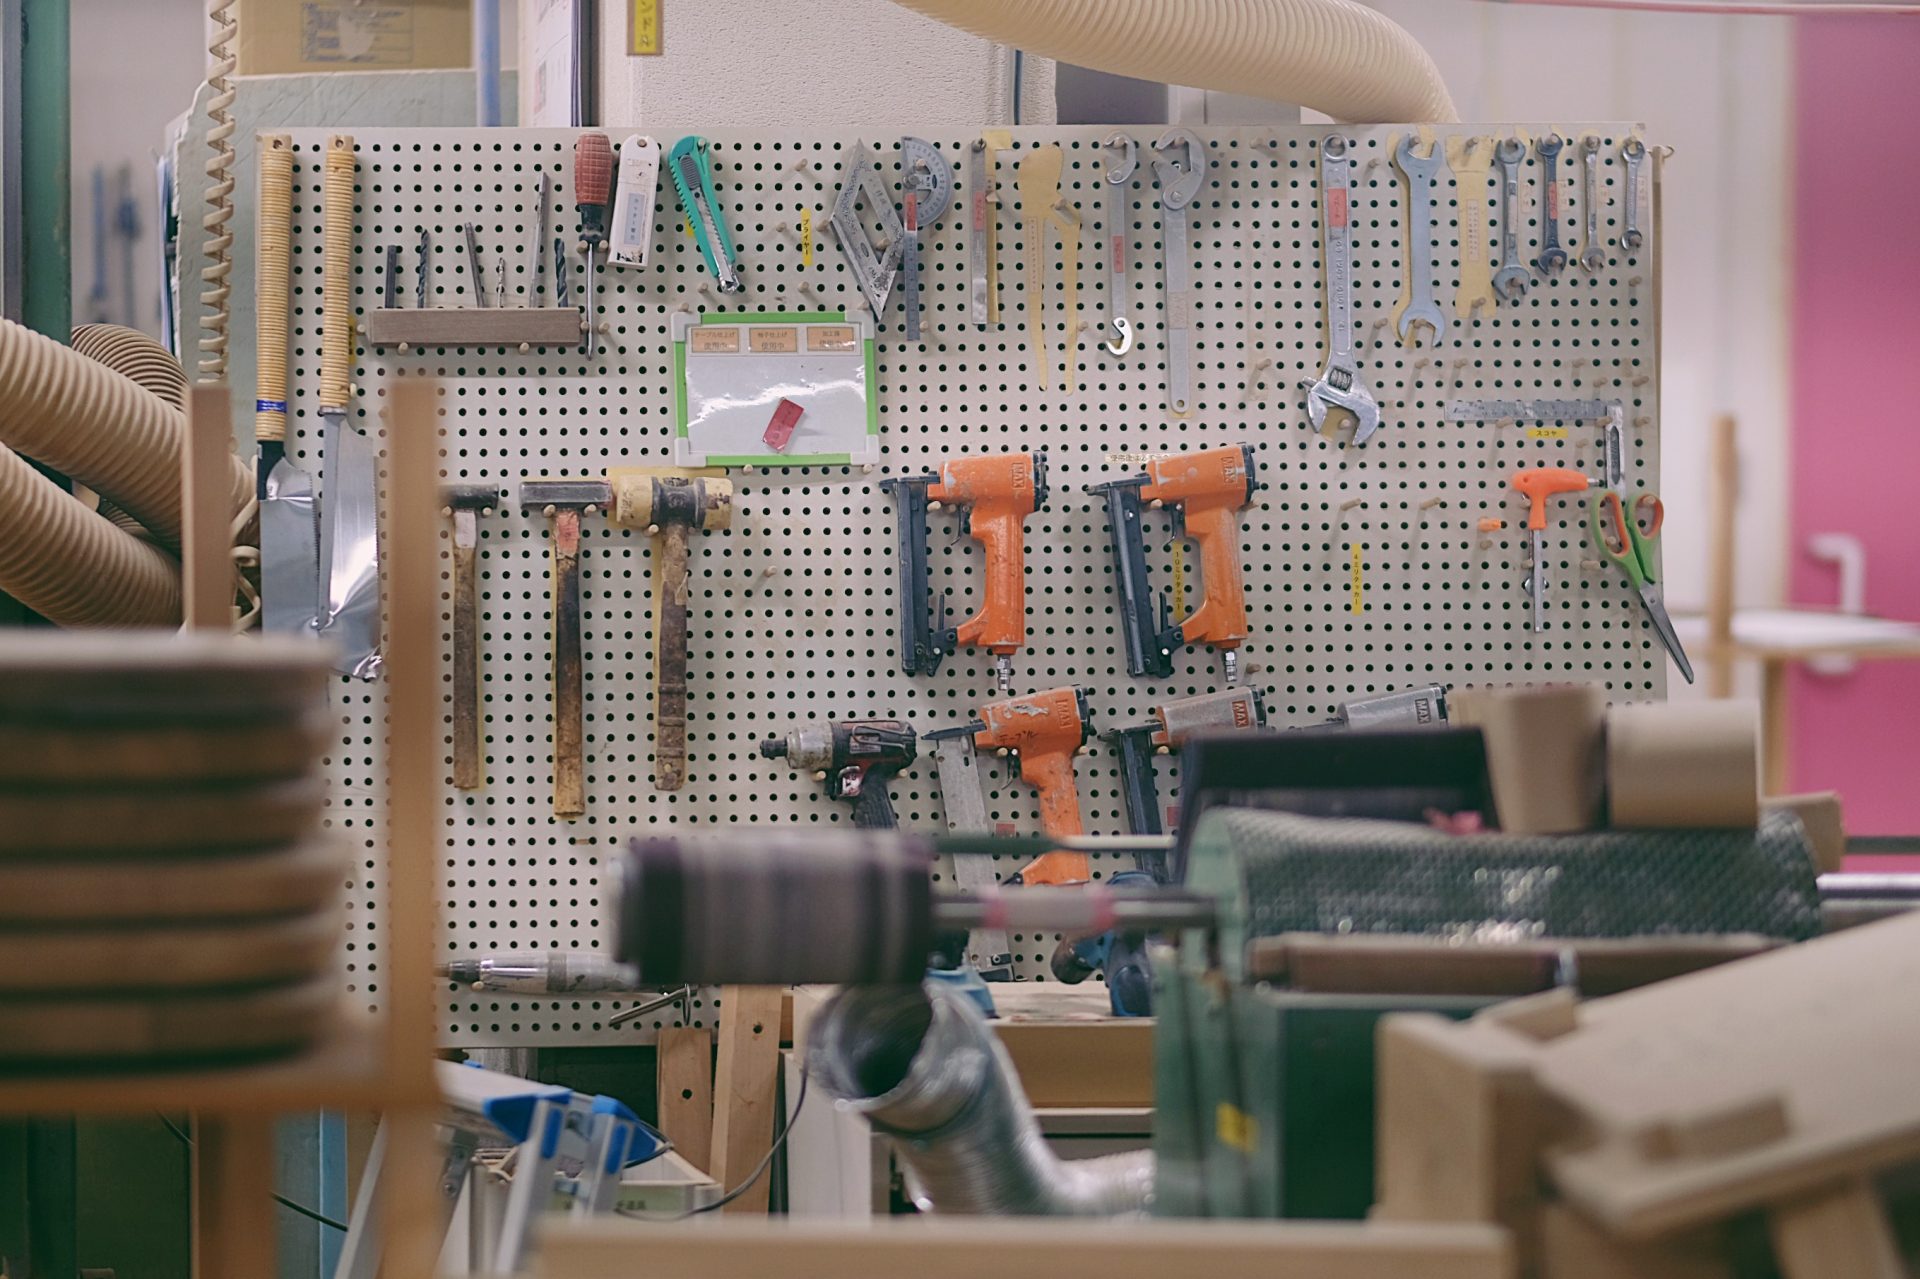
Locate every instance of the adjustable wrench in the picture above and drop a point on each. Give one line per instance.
(1180, 167)
(1553, 258)
(1119, 177)
(1635, 152)
(1420, 306)
(1511, 280)
(1339, 386)
(1595, 258)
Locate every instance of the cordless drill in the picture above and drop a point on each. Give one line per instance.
(999, 492)
(856, 758)
(1046, 730)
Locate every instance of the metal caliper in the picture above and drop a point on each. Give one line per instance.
(1339, 386)
(1180, 167)
(1119, 176)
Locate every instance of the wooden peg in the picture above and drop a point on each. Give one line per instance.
(1352, 502)
(1432, 502)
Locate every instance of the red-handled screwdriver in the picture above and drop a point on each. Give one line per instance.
(592, 188)
(1540, 483)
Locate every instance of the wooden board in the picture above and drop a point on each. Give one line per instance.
(476, 326)
(125, 822)
(289, 880)
(122, 677)
(161, 752)
(744, 1087)
(685, 1092)
(167, 1026)
(1779, 1074)
(40, 962)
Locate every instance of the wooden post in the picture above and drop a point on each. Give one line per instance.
(234, 1224)
(206, 512)
(1773, 727)
(1720, 561)
(684, 1091)
(744, 1089)
(1841, 1233)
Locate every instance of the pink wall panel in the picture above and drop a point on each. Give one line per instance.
(1856, 395)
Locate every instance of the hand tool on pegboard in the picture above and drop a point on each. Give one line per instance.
(289, 538)
(537, 250)
(1634, 152)
(1538, 485)
(1174, 721)
(926, 188)
(1205, 491)
(592, 189)
(463, 504)
(563, 502)
(421, 269)
(1180, 167)
(1553, 258)
(1340, 386)
(1511, 281)
(1041, 207)
(476, 272)
(670, 504)
(1418, 305)
(998, 491)
(1471, 160)
(1044, 731)
(691, 165)
(1593, 258)
(856, 758)
(873, 268)
(1636, 552)
(633, 201)
(964, 801)
(349, 605)
(1118, 176)
(981, 208)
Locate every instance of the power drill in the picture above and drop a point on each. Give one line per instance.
(1207, 491)
(856, 758)
(1046, 730)
(999, 492)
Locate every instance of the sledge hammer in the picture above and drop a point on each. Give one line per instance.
(464, 504)
(563, 502)
(669, 503)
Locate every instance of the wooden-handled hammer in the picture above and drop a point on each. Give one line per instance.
(563, 502)
(668, 504)
(464, 504)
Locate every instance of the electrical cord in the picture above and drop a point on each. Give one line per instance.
(278, 1198)
(780, 1139)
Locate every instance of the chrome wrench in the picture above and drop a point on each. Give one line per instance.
(1595, 258)
(1180, 167)
(1635, 152)
(1421, 308)
(1511, 280)
(1119, 176)
(1553, 258)
(1339, 386)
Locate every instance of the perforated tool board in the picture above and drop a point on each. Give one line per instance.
(794, 609)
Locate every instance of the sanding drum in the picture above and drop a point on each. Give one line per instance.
(166, 892)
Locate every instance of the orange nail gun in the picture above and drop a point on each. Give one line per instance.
(999, 491)
(1207, 491)
(1046, 730)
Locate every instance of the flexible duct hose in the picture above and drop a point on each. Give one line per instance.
(922, 1065)
(1335, 56)
(105, 431)
(216, 286)
(72, 567)
(132, 354)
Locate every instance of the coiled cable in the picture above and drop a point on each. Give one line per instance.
(216, 277)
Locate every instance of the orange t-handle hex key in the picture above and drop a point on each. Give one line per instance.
(1539, 484)
(1046, 730)
(999, 492)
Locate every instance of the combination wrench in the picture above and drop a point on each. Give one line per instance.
(1180, 167)
(1119, 176)
(1420, 306)
(1339, 386)
(1511, 280)
(1553, 258)
(1635, 152)
(1595, 258)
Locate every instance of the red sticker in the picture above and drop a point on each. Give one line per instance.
(1119, 252)
(786, 415)
(1337, 207)
(1003, 828)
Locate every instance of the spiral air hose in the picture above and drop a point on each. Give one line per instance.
(216, 286)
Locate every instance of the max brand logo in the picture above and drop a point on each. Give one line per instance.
(1242, 716)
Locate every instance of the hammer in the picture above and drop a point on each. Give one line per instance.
(464, 504)
(668, 503)
(563, 502)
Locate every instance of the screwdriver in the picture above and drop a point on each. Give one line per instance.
(592, 185)
(1538, 484)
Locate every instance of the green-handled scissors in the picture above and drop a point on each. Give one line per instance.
(1635, 550)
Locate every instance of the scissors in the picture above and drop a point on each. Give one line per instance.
(1635, 550)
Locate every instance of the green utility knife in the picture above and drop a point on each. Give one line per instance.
(691, 163)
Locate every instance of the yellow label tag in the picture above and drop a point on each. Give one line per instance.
(716, 339)
(806, 236)
(1546, 432)
(643, 28)
(1237, 1129)
(686, 226)
(1355, 603)
(780, 341)
(1179, 575)
(998, 139)
(831, 337)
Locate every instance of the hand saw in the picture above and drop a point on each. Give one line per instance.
(873, 269)
(289, 538)
(926, 185)
(691, 164)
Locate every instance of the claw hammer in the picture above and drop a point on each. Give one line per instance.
(563, 502)
(464, 504)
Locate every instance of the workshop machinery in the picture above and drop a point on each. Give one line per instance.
(857, 759)
(1206, 491)
(997, 491)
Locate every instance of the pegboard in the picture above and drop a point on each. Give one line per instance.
(794, 609)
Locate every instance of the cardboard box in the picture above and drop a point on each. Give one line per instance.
(291, 37)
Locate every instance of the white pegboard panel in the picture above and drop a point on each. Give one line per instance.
(794, 607)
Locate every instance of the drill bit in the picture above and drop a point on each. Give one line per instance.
(537, 268)
(560, 295)
(474, 269)
(391, 285)
(420, 271)
(500, 279)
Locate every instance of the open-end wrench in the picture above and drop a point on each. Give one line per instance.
(1119, 176)
(1339, 386)
(1180, 167)
(1420, 306)
(1595, 257)
(1635, 152)
(1511, 280)
(1553, 258)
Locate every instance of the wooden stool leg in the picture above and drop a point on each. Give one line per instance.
(685, 1092)
(233, 1210)
(744, 1090)
(1840, 1233)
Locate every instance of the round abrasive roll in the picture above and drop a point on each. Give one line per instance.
(106, 755)
(167, 956)
(1683, 764)
(124, 822)
(157, 1025)
(158, 677)
(776, 907)
(276, 881)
